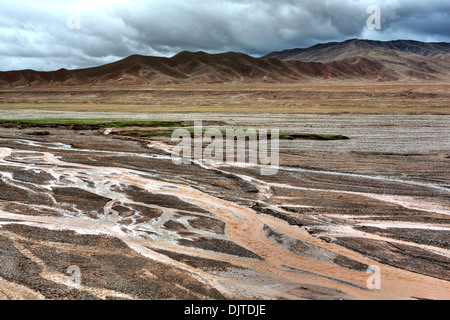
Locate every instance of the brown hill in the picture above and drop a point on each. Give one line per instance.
(203, 68)
(394, 65)
(325, 52)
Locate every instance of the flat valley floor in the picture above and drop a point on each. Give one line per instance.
(137, 226)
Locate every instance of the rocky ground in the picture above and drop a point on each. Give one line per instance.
(139, 226)
(322, 97)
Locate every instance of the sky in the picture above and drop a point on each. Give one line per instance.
(48, 35)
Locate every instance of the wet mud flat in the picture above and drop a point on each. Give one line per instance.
(139, 226)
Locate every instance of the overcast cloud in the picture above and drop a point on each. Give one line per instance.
(35, 34)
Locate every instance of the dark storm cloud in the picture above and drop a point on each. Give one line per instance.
(34, 34)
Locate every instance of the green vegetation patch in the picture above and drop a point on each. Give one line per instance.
(310, 136)
(156, 128)
(38, 133)
(90, 124)
(167, 133)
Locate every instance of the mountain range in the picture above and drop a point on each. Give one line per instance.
(332, 50)
(354, 60)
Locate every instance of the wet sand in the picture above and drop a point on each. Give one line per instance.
(136, 223)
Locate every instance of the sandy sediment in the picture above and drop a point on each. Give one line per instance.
(136, 224)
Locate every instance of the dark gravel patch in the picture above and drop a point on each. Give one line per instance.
(17, 268)
(400, 256)
(218, 245)
(309, 250)
(203, 264)
(436, 238)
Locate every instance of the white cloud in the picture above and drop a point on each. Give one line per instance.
(34, 34)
